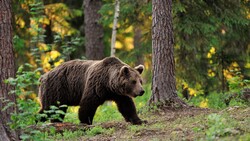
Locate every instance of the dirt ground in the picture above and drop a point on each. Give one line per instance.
(171, 124)
(160, 126)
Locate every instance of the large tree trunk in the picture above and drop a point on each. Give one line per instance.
(7, 69)
(163, 84)
(93, 30)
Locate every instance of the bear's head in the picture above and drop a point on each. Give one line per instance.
(130, 81)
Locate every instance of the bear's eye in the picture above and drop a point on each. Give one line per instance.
(133, 82)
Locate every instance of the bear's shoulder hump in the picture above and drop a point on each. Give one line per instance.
(111, 60)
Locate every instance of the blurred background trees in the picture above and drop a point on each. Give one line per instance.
(93, 30)
(211, 38)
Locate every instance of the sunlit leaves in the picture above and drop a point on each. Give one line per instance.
(33, 20)
(232, 70)
(211, 52)
(204, 103)
(58, 14)
(49, 58)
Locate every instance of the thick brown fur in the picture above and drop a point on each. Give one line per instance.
(89, 84)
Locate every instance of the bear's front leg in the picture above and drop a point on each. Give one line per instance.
(87, 109)
(127, 108)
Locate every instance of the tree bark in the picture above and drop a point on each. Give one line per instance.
(7, 69)
(138, 45)
(164, 90)
(93, 30)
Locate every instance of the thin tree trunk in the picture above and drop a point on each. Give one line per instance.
(164, 89)
(222, 73)
(7, 69)
(93, 30)
(114, 30)
(138, 45)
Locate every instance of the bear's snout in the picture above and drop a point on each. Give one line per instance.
(141, 93)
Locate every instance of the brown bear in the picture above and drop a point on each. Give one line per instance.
(90, 83)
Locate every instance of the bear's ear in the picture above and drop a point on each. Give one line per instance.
(124, 71)
(139, 68)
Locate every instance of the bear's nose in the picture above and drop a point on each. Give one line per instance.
(142, 92)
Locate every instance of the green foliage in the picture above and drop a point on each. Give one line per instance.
(237, 83)
(130, 12)
(95, 131)
(19, 44)
(218, 127)
(195, 100)
(200, 25)
(68, 135)
(216, 100)
(33, 135)
(54, 112)
(26, 115)
(136, 128)
(43, 27)
(72, 115)
(107, 9)
(234, 97)
(26, 79)
(26, 106)
(67, 46)
(238, 102)
(237, 86)
(107, 112)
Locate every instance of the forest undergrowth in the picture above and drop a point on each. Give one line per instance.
(232, 123)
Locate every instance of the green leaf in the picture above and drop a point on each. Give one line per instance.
(25, 136)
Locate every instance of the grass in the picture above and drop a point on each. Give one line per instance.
(232, 123)
(222, 123)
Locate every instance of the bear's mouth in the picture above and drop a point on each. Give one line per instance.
(140, 94)
(131, 95)
(135, 95)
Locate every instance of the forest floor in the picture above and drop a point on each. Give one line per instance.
(230, 124)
